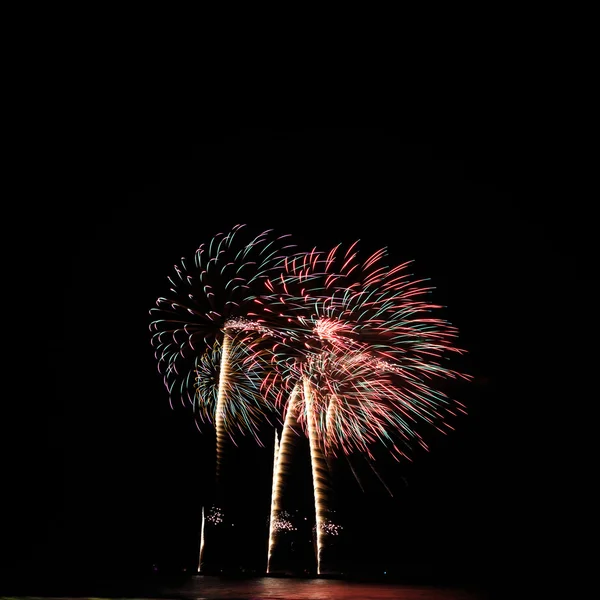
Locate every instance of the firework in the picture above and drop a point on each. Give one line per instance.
(211, 356)
(201, 339)
(273, 515)
(201, 551)
(282, 452)
(350, 351)
(362, 347)
(363, 336)
(214, 516)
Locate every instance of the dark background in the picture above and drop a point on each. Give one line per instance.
(101, 477)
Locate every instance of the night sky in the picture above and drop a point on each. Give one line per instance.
(102, 476)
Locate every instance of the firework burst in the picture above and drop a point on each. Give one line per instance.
(359, 350)
(362, 336)
(202, 340)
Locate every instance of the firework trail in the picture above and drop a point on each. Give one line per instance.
(363, 343)
(320, 474)
(227, 389)
(201, 552)
(283, 450)
(273, 493)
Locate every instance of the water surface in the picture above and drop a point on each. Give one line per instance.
(274, 588)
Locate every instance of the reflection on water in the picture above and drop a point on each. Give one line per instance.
(273, 588)
(204, 587)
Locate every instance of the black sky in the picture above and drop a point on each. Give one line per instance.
(100, 473)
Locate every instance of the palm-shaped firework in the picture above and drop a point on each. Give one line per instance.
(207, 360)
(358, 362)
(210, 356)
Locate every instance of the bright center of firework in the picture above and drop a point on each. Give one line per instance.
(329, 330)
(241, 324)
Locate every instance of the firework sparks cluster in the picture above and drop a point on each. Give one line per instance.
(282, 523)
(215, 516)
(350, 348)
(330, 528)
